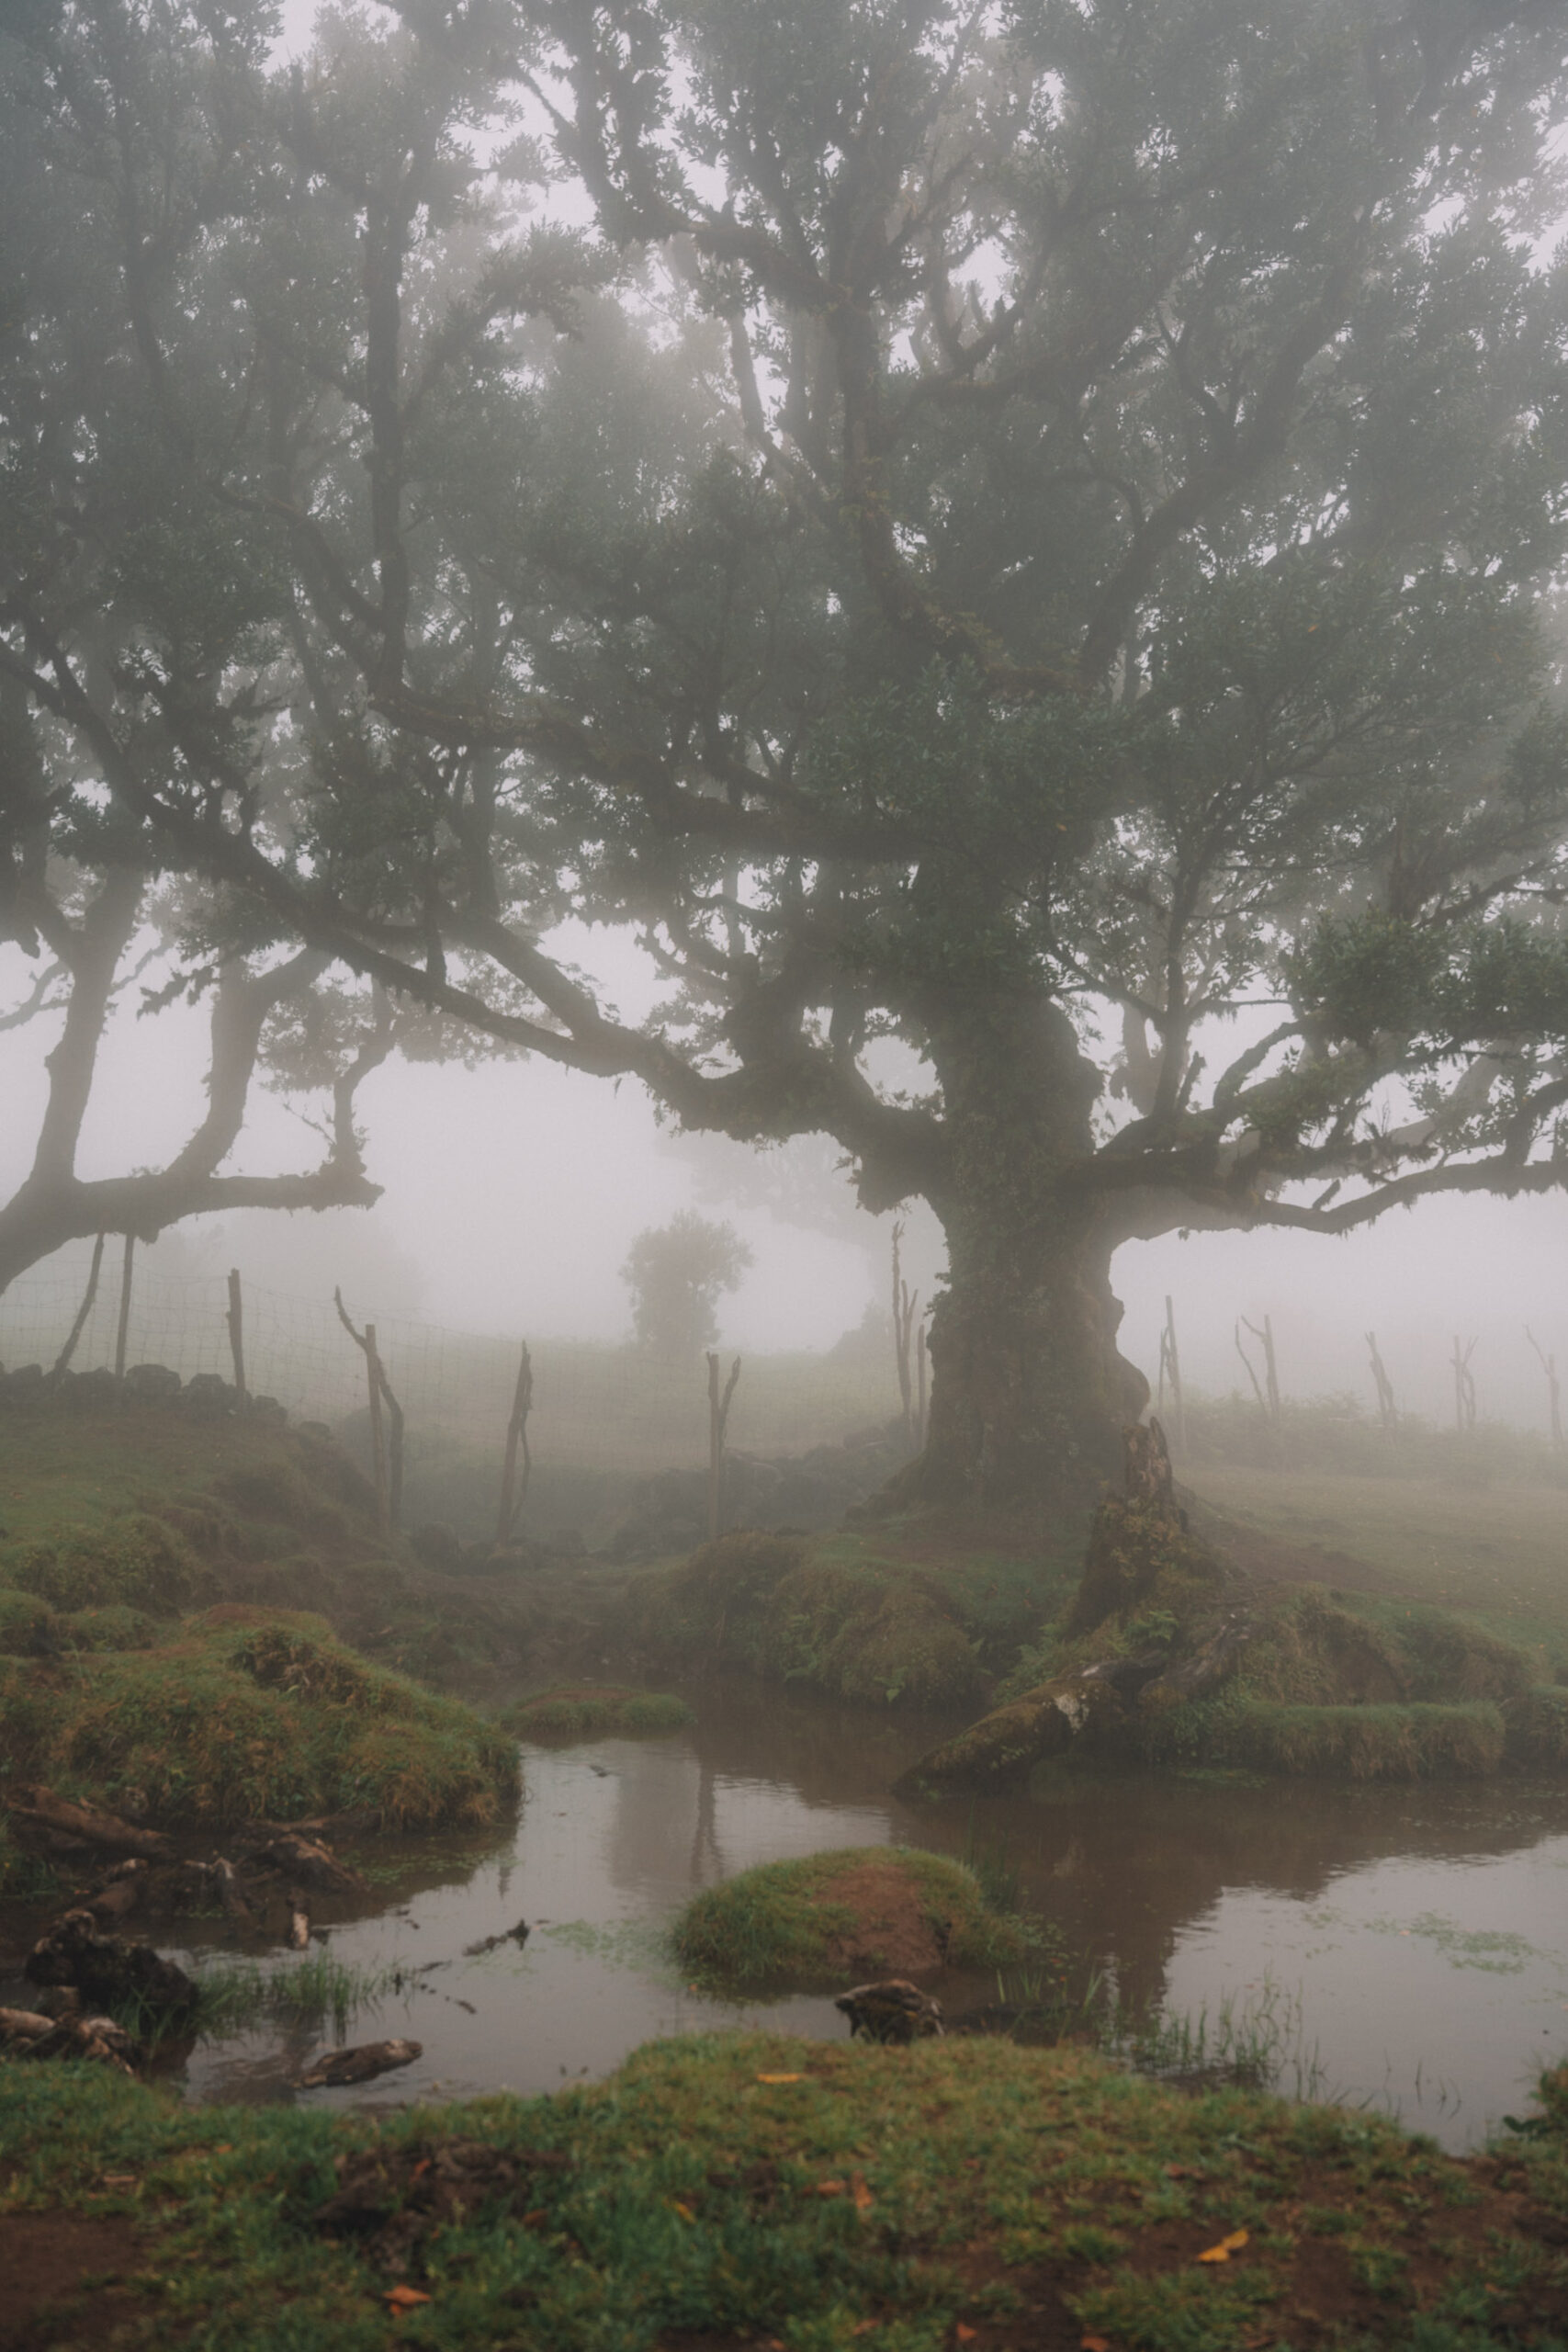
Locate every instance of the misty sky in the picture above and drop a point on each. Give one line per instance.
(511, 1193)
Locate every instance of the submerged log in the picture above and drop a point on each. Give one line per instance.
(311, 1862)
(40, 1808)
(337, 2068)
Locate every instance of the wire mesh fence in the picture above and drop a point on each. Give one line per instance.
(596, 1406)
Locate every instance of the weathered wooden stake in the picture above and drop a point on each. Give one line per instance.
(1170, 1367)
(1553, 1386)
(513, 1497)
(904, 1307)
(124, 1307)
(386, 1472)
(718, 1419)
(1387, 1413)
(235, 1320)
(62, 1365)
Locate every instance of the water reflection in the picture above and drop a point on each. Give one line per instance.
(1421, 1929)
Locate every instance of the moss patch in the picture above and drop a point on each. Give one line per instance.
(736, 2188)
(830, 1919)
(243, 1717)
(588, 1710)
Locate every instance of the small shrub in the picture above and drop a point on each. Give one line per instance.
(136, 1562)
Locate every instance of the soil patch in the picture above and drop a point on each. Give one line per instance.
(68, 2277)
(892, 1929)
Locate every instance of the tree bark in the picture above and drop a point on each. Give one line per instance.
(1028, 1392)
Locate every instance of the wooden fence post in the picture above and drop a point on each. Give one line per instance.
(512, 1497)
(904, 1307)
(235, 1320)
(719, 1419)
(124, 1307)
(1553, 1386)
(62, 1365)
(1170, 1367)
(387, 1465)
(1387, 1413)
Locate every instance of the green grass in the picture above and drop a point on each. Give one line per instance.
(269, 1716)
(747, 2188)
(781, 1922)
(588, 1710)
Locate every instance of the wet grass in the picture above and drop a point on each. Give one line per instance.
(267, 1717)
(795, 1922)
(588, 1710)
(234, 1997)
(742, 2189)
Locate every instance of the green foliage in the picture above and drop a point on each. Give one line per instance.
(1369, 1743)
(845, 1615)
(273, 1719)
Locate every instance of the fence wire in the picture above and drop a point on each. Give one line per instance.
(594, 1405)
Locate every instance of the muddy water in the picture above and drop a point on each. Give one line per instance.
(1411, 1943)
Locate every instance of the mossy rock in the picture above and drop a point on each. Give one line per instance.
(244, 1716)
(829, 1919)
(589, 1711)
(135, 1561)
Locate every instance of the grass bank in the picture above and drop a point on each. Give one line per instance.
(830, 1919)
(912, 1610)
(741, 2189)
(243, 1714)
(594, 1711)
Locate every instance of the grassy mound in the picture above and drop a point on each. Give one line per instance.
(589, 1711)
(906, 1613)
(1370, 1743)
(833, 1919)
(739, 2188)
(244, 1716)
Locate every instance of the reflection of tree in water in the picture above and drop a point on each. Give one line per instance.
(1125, 1865)
(704, 1830)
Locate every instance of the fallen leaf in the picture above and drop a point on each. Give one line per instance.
(1226, 2248)
(119, 2180)
(965, 2334)
(863, 2199)
(531, 2220)
(685, 2210)
(781, 2078)
(1094, 2344)
(829, 2188)
(865, 2327)
(403, 2298)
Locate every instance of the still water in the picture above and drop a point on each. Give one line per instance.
(1415, 1939)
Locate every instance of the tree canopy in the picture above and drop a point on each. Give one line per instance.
(1020, 537)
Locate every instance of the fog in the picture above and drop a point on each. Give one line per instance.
(511, 1193)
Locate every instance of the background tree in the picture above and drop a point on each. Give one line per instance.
(1048, 576)
(677, 1274)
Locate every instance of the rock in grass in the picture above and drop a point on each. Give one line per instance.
(338, 2067)
(892, 2010)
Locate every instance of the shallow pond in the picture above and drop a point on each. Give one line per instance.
(1409, 1944)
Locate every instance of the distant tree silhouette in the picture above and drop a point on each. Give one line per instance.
(677, 1273)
